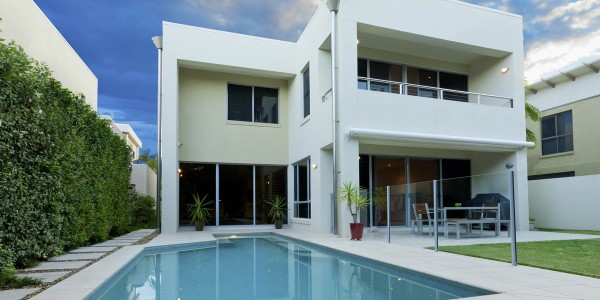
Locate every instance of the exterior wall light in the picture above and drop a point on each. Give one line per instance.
(504, 70)
(509, 165)
(314, 166)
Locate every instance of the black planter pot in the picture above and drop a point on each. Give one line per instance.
(199, 227)
(278, 224)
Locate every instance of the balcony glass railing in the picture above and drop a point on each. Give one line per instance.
(410, 89)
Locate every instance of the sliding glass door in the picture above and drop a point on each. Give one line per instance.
(389, 172)
(239, 193)
(411, 181)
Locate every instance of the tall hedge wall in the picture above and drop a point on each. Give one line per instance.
(64, 175)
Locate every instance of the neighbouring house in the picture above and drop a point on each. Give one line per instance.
(143, 178)
(415, 99)
(134, 142)
(24, 23)
(564, 168)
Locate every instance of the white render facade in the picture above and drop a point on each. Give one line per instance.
(396, 120)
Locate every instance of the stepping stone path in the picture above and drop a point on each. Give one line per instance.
(62, 265)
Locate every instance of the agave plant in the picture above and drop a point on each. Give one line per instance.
(278, 210)
(199, 211)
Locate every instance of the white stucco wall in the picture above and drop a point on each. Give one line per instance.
(205, 133)
(144, 179)
(566, 203)
(26, 24)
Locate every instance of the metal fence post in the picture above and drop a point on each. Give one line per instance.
(435, 215)
(389, 228)
(513, 221)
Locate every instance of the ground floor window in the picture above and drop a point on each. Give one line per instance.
(239, 192)
(302, 189)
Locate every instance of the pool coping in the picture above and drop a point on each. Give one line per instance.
(482, 274)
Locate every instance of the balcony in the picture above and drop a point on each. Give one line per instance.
(427, 91)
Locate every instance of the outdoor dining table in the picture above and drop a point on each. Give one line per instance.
(470, 221)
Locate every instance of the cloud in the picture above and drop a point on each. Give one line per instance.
(281, 19)
(580, 14)
(549, 56)
(115, 114)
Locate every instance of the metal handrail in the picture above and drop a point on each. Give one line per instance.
(442, 90)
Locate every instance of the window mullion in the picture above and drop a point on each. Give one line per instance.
(252, 111)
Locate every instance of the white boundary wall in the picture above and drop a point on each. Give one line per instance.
(566, 203)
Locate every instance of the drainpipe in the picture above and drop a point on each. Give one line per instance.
(158, 42)
(334, 6)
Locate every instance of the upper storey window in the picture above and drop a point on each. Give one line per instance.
(557, 133)
(402, 79)
(252, 104)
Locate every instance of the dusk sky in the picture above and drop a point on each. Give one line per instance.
(113, 37)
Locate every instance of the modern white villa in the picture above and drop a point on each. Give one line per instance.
(418, 91)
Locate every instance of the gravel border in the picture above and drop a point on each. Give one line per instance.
(45, 286)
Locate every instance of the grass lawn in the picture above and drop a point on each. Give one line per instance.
(580, 257)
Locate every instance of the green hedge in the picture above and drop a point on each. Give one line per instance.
(143, 212)
(64, 175)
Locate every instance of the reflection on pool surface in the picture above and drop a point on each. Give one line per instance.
(268, 267)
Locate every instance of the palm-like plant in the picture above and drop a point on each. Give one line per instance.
(350, 193)
(278, 210)
(199, 211)
(532, 113)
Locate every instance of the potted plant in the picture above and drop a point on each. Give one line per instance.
(531, 223)
(350, 193)
(199, 211)
(277, 210)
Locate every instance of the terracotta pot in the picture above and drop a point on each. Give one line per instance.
(199, 227)
(278, 224)
(356, 230)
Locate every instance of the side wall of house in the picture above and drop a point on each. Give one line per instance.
(26, 24)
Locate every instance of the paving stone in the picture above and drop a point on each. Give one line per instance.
(77, 256)
(67, 265)
(126, 239)
(16, 294)
(112, 243)
(45, 277)
(93, 249)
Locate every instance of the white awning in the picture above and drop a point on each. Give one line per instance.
(449, 141)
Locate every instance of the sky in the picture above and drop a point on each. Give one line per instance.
(113, 37)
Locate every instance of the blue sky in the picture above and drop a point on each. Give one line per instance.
(113, 37)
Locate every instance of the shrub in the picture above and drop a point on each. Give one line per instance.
(64, 175)
(6, 260)
(143, 211)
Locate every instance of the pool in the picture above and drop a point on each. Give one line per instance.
(268, 266)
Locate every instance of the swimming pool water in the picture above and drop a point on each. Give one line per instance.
(269, 267)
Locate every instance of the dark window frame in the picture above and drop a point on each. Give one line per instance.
(253, 110)
(297, 201)
(391, 88)
(306, 90)
(557, 136)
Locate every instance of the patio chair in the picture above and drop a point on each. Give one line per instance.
(490, 214)
(421, 216)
